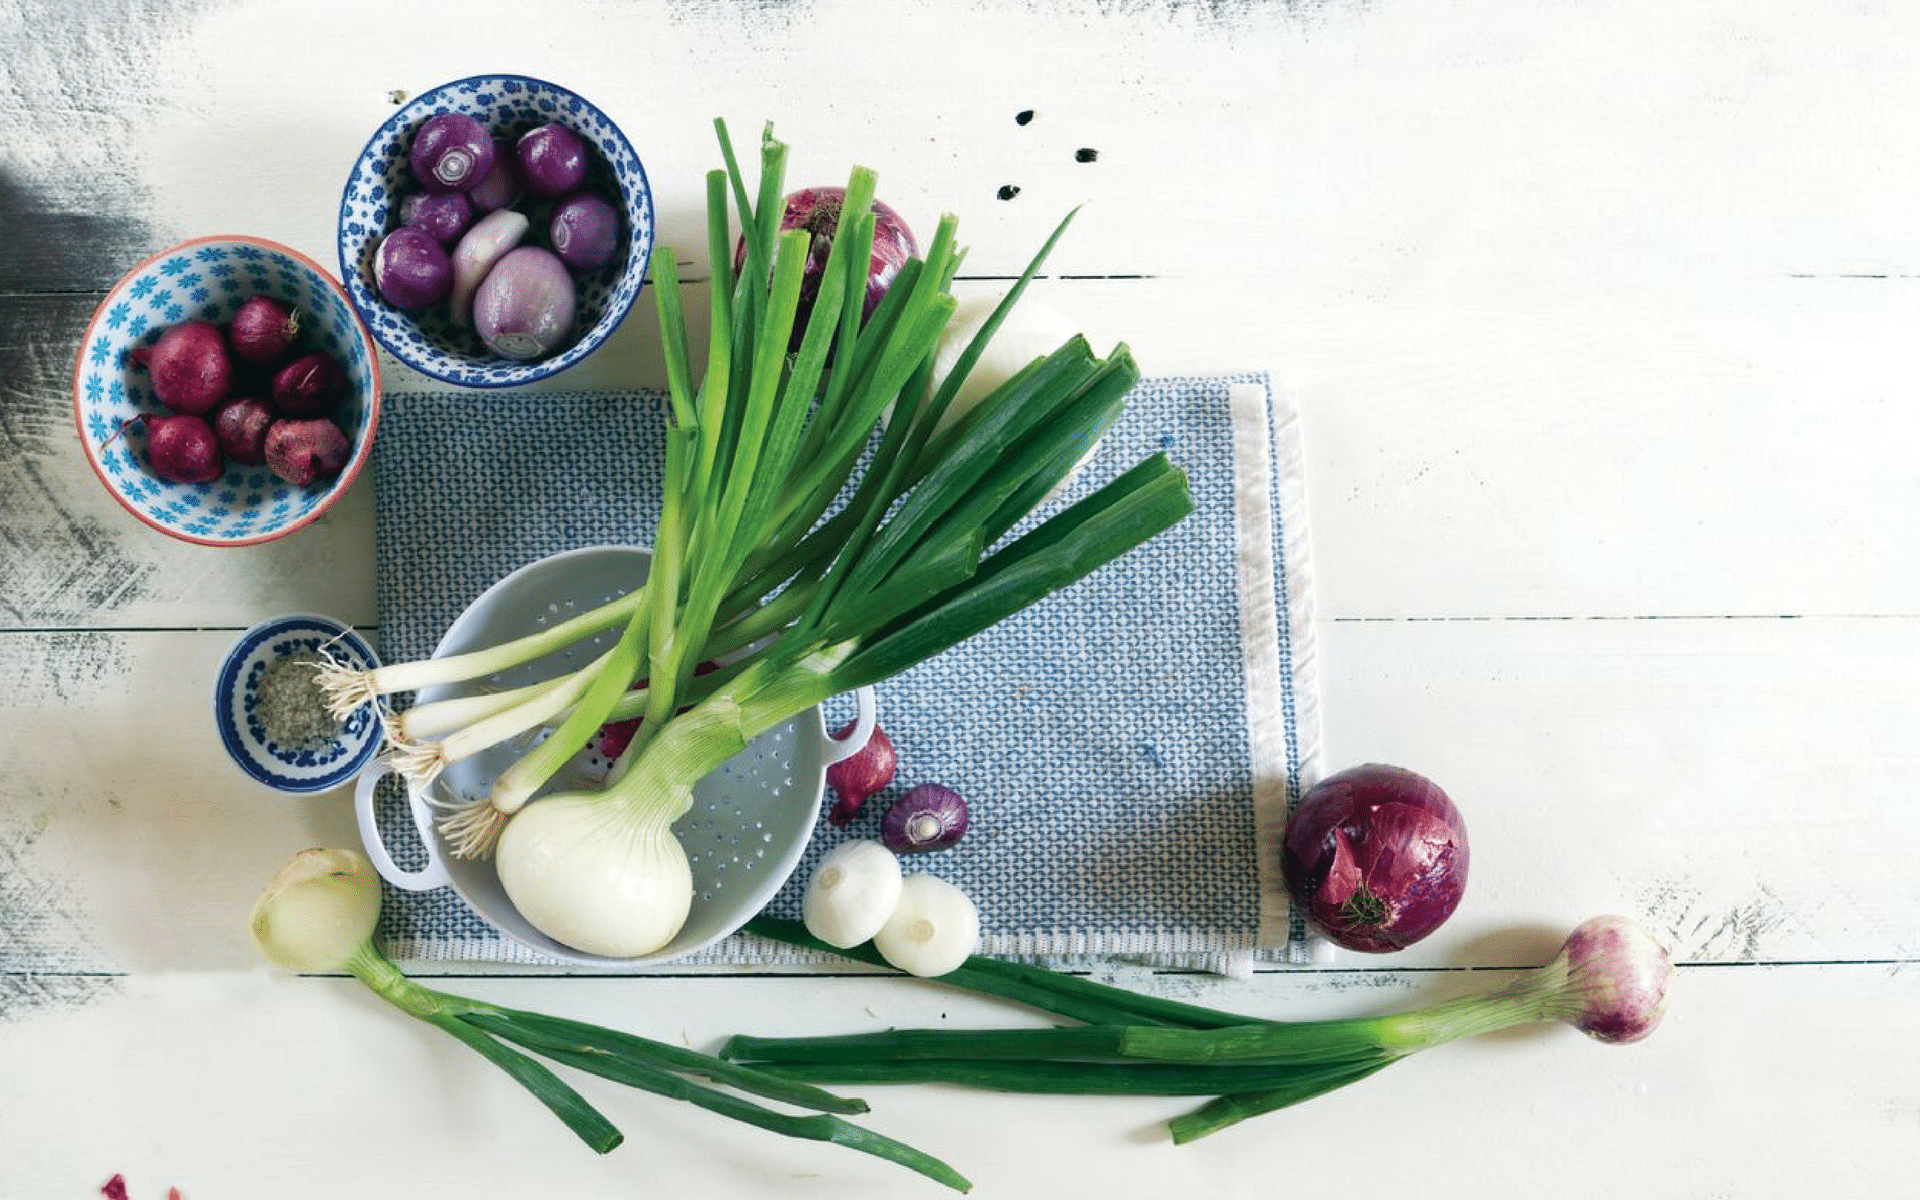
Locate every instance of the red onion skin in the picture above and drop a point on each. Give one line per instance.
(188, 367)
(861, 774)
(308, 386)
(817, 210)
(451, 152)
(182, 448)
(929, 817)
(240, 426)
(1376, 857)
(263, 331)
(306, 451)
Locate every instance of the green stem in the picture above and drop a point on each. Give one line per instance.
(1223, 1111)
(1068, 1078)
(897, 1045)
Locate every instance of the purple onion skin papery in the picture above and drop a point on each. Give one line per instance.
(817, 210)
(1375, 857)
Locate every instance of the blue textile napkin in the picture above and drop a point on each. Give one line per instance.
(1129, 747)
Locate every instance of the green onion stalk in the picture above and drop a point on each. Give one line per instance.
(319, 915)
(806, 552)
(1610, 980)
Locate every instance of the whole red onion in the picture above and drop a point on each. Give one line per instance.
(182, 448)
(1376, 857)
(241, 426)
(188, 367)
(263, 330)
(860, 774)
(308, 386)
(817, 210)
(305, 451)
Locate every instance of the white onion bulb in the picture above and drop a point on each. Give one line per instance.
(596, 876)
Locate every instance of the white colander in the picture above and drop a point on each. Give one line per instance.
(750, 821)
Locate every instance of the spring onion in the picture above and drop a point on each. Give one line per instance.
(319, 913)
(829, 556)
(1610, 981)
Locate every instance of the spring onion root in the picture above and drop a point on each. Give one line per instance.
(1610, 980)
(319, 915)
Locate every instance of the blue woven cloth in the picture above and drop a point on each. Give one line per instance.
(1128, 747)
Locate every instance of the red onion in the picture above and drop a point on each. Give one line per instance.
(928, 817)
(262, 331)
(451, 152)
(524, 307)
(188, 367)
(585, 231)
(182, 448)
(1376, 857)
(553, 160)
(443, 215)
(861, 774)
(817, 210)
(411, 269)
(240, 426)
(303, 451)
(308, 386)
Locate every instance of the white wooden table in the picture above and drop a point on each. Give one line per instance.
(1601, 322)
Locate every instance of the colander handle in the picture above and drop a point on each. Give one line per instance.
(844, 748)
(431, 876)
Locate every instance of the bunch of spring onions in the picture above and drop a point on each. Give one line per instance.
(319, 913)
(1609, 980)
(800, 552)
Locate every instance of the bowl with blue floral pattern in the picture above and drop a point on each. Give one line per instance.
(267, 705)
(208, 279)
(509, 106)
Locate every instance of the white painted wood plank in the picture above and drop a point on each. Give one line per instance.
(1742, 786)
(1763, 1083)
(1721, 780)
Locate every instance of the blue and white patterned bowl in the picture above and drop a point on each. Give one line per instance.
(210, 278)
(508, 105)
(298, 770)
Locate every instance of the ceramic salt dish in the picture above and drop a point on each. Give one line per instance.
(428, 339)
(750, 822)
(265, 705)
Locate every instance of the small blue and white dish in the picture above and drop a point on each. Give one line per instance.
(313, 765)
(209, 278)
(428, 340)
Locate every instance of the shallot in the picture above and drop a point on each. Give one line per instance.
(585, 231)
(444, 216)
(524, 307)
(860, 774)
(263, 330)
(182, 448)
(930, 816)
(451, 152)
(411, 268)
(553, 161)
(501, 187)
(306, 451)
(308, 386)
(241, 426)
(491, 237)
(188, 367)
